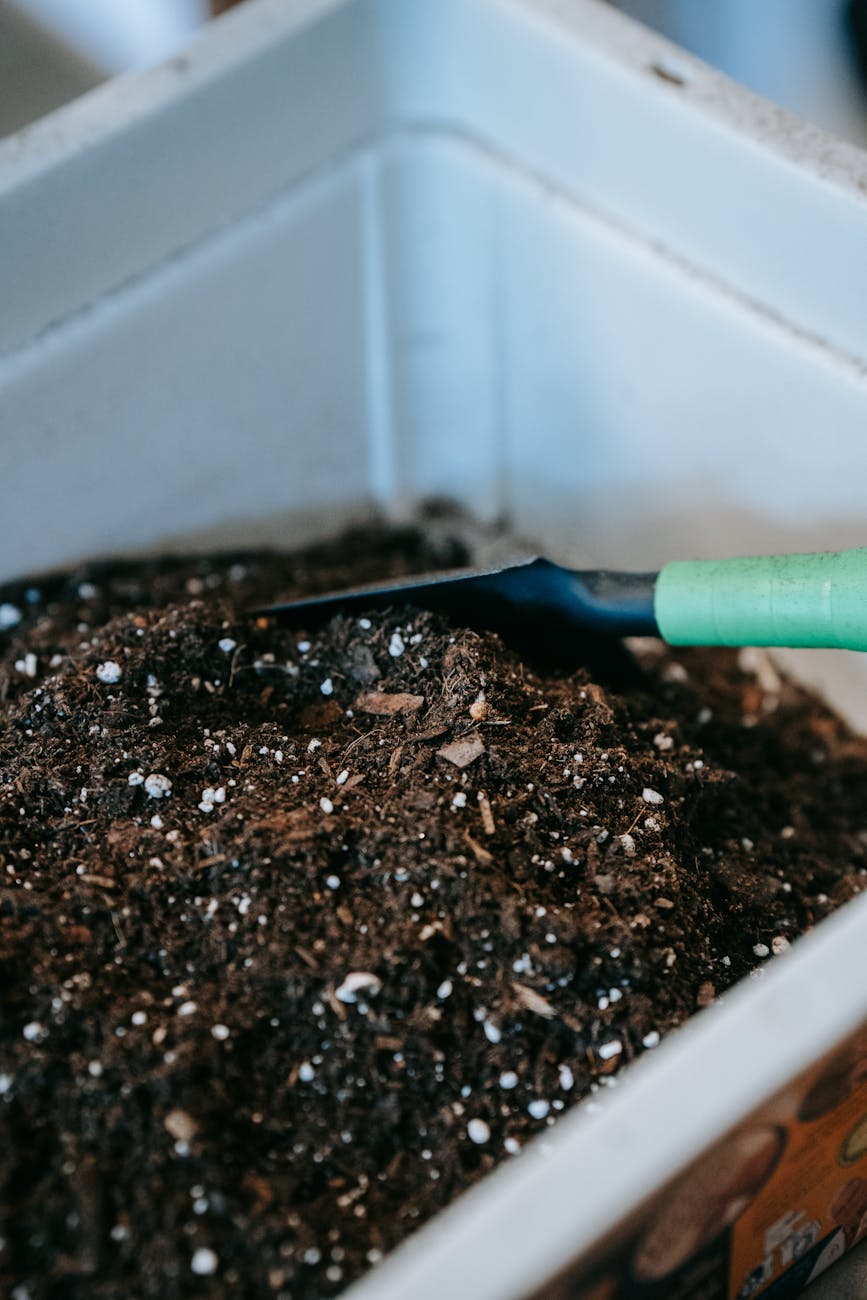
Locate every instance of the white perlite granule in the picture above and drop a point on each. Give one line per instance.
(204, 1262)
(157, 786)
(10, 616)
(358, 981)
(478, 1132)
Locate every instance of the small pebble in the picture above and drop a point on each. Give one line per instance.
(327, 687)
(651, 796)
(109, 672)
(761, 950)
(396, 645)
(227, 645)
(611, 1049)
(180, 1125)
(326, 805)
(479, 709)
(651, 1040)
(508, 1080)
(220, 1032)
(157, 786)
(779, 945)
(538, 1108)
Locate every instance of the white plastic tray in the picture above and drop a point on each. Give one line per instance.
(521, 252)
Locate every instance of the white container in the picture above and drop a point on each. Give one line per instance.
(346, 253)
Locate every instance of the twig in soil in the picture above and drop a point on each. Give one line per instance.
(376, 731)
(481, 854)
(233, 668)
(487, 814)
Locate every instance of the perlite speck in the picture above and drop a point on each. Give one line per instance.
(109, 673)
(10, 616)
(358, 981)
(204, 1262)
(478, 1132)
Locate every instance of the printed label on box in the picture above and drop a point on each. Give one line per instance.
(762, 1214)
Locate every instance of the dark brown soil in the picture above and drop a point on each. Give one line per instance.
(252, 1038)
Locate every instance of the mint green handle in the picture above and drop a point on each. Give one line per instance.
(784, 600)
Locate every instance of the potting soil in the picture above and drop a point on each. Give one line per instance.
(302, 933)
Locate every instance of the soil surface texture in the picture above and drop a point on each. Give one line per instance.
(301, 934)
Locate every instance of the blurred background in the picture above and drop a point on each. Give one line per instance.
(54, 50)
(807, 55)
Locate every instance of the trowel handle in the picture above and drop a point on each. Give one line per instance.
(783, 600)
